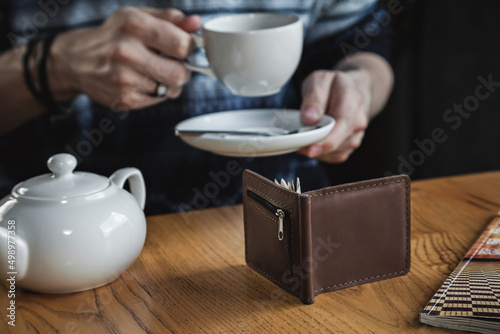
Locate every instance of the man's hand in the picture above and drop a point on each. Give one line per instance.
(351, 97)
(118, 64)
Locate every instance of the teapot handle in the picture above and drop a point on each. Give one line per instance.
(135, 180)
(11, 238)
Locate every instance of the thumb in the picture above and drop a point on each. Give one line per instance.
(315, 96)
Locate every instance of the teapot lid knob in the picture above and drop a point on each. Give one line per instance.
(63, 182)
(62, 164)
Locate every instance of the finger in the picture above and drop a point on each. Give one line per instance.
(347, 103)
(315, 96)
(135, 100)
(189, 23)
(127, 81)
(167, 71)
(174, 92)
(352, 143)
(332, 142)
(161, 69)
(340, 155)
(169, 14)
(150, 98)
(133, 96)
(173, 83)
(148, 95)
(148, 86)
(124, 78)
(156, 33)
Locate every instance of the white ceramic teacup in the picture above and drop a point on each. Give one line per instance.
(251, 54)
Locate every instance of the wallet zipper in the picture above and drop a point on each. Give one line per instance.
(280, 213)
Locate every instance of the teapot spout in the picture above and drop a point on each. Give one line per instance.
(13, 249)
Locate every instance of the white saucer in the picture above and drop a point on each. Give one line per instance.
(252, 120)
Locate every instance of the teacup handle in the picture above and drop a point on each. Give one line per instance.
(135, 180)
(207, 70)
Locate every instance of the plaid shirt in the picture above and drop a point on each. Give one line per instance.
(178, 177)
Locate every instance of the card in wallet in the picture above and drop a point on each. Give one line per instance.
(327, 239)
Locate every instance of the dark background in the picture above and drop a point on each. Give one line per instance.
(440, 50)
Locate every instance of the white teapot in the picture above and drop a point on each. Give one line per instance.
(71, 231)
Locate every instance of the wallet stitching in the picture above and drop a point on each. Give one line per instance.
(358, 188)
(272, 188)
(407, 200)
(408, 227)
(360, 280)
(270, 198)
(308, 202)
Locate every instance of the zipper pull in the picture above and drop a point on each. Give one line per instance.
(281, 214)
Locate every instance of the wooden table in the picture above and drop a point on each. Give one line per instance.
(191, 277)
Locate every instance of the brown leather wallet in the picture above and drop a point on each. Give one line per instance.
(327, 239)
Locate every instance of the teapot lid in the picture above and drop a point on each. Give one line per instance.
(63, 182)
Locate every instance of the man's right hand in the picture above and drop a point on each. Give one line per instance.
(118, 63)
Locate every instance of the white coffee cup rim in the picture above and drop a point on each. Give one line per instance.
(213, 24)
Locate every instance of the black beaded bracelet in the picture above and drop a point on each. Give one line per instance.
(45, 91)
(28, 78)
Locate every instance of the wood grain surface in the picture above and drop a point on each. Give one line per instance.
(191, 277)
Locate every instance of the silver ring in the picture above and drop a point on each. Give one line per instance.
(160, 90)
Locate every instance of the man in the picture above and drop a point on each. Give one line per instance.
(106, 63)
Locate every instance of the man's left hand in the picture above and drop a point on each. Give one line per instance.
(345, 96)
